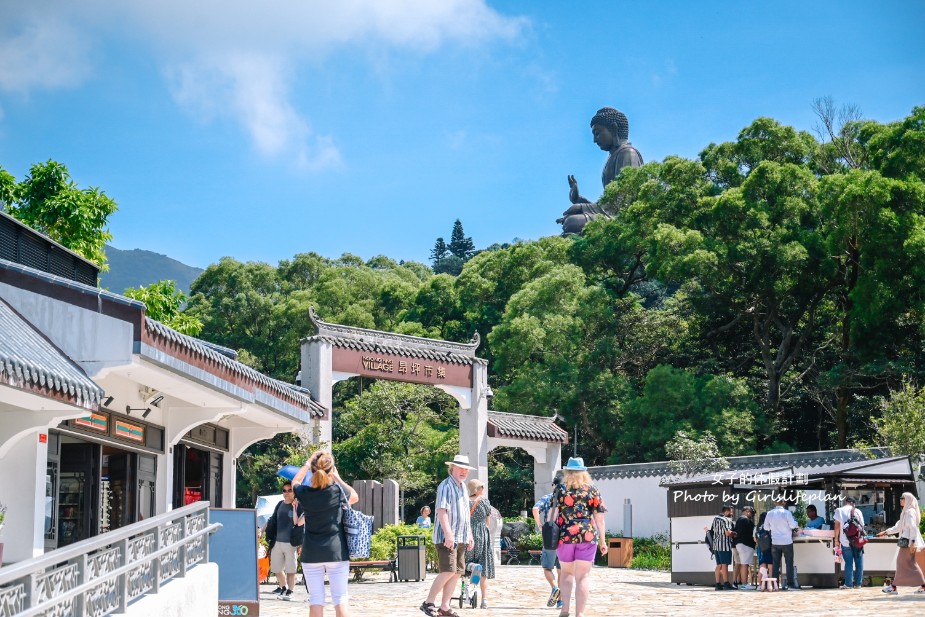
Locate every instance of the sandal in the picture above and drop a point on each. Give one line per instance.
(447, 613)
(429, 609)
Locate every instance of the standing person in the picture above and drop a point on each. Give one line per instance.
(424, 520)
(722, 547)
(781, 524)
(908, 572)
(278, 530)
(763, 544)
(580, 515)
(853, 556)
(548, 558)
(481, 553)
(324, 549)
(452, 537)
(744, 533)
(813, 520)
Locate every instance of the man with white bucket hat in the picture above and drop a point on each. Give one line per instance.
(452, 536)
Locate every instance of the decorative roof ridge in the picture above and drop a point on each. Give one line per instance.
(278, 388)
(18, 365)
(546, 419)
(323, 328)
(795, 459)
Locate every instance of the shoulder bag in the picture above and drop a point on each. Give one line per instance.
(550, 527)
(297, 534)
(358, 528)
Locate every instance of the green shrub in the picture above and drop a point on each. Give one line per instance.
(383, 542)
(648, 553)
(652, 553)
(530, 542)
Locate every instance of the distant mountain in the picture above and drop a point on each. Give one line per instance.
(140, 268)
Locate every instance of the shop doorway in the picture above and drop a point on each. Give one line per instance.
(78, 493)
(197, 476)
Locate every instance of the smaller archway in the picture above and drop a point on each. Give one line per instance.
(537, 435)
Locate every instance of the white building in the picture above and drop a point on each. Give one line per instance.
(108, 417)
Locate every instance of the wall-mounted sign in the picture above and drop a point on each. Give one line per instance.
(95, 421)
(400, 368)
(132, 432)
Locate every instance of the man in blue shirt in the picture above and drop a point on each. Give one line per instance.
(814, 521)
(781, 524)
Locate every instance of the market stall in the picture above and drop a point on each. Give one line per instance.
(876, 484)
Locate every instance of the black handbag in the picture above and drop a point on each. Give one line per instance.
(297, 535)
(903, 543)
(551, 529)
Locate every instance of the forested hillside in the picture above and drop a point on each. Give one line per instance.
(770, 291)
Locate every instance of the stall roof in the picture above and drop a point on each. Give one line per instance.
(889, 466)
(727, 476)
(887, 470)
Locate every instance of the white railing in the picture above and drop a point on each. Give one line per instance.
(101, 575)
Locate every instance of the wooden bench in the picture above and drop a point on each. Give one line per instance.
(359, 568)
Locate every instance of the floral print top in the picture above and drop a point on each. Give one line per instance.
(576, 509)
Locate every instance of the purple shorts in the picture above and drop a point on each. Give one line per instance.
(577, 552)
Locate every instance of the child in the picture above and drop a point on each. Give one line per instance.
(768, 583)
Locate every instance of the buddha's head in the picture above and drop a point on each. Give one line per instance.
(610, 128)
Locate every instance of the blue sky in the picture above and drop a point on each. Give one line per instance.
(264, 129)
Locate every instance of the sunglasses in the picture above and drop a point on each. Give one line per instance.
(287, 490)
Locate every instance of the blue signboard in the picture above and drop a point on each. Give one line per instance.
(234, 549)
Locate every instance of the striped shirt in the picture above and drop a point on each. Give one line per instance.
(721, 542)
(452, 497)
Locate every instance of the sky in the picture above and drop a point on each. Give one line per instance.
(260, 130)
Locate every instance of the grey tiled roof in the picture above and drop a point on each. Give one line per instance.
(800, 460)
(222, 359)
(374, 341)
(520, 426)
(29, 361)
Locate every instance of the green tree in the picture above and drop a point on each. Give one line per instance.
(164, 302)
(901, 427)
(460, 245)
(398, 431)
(674, 399)
(437, 253)
(689, 455)
(50, 202)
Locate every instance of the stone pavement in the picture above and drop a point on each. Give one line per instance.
(521, 591)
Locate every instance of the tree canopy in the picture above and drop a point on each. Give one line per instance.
(50, 202)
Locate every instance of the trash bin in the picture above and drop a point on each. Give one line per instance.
(411, 558)
(620, 553)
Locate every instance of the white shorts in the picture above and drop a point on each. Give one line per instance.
(282, 558)
(746, 554)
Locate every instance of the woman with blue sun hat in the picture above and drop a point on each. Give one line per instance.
(579, 512)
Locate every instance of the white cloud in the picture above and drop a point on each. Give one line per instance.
(236, 58)
(41, 51)
(251, 89)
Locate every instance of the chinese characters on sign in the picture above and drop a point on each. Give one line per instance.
(430, 369)
(404, 367)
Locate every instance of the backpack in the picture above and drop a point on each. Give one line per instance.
(854, 532)
(764, 539)
(708, 540)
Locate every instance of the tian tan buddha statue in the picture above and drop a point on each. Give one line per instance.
(610, 130)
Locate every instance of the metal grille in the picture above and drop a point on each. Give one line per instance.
(22, 245)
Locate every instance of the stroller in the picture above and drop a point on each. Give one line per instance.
(469, 589)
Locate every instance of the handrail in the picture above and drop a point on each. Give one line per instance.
(103, 574)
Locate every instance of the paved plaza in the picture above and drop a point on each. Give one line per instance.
(519, 591)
